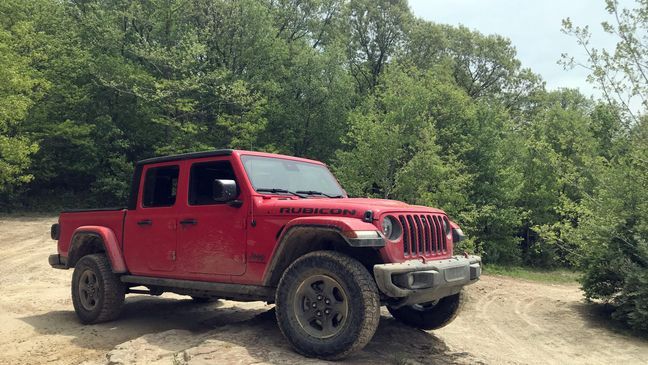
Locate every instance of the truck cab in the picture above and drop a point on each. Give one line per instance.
(245, 225)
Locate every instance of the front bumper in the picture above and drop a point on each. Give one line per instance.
(413, 281)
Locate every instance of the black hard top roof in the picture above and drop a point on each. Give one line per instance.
(186, 156)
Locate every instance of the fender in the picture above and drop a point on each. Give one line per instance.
(354, 231)
(107, 238)
(457, 233)
(318, 232)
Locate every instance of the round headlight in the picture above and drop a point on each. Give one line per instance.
(387, 227)
(391, 228)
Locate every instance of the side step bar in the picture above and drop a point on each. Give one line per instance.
(192, 287)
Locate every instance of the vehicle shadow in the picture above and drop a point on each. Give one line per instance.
(186, 332)
(141, 315)
(259, 340)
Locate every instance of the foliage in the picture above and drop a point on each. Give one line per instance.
(614, 234)
(374, 31)
(621, 75)
(611, 232)
(420, 138)
(21, 86)
(483, 65)
(560, 160)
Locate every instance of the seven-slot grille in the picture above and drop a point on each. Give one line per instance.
(423, 234)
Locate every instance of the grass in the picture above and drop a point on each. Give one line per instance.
(553, 276)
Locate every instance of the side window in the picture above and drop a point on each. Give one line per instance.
(201, 182)
(160, 186)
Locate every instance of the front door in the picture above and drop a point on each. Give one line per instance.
(151, 228)
(211, 234)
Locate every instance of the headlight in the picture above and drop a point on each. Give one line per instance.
(457, 235)
(391, 228)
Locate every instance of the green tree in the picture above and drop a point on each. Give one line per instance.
(420, 138)
(483, 65)
(613, 234)
(312, 21)
(373, 31)
(306, 115)
(561, 158)
(21, 85)
(621, 75)
(613, 227)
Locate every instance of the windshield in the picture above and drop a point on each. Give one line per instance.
(267, 173)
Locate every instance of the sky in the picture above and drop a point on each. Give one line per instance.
(533, 28)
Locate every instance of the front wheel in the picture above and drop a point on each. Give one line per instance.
(430, 315)
(327, 305)
(97, 293)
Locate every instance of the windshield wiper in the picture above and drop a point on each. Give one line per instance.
(275, 190)
(313, 192)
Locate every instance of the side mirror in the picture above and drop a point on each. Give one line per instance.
(224, 190)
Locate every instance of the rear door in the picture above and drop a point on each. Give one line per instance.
(211, 235)
(151, 229)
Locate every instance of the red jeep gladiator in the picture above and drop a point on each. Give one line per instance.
(253, 226)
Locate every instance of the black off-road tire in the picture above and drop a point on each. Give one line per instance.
(432, 316)
(361, 297)
(110, 292)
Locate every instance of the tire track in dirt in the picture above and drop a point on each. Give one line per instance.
(532, 323)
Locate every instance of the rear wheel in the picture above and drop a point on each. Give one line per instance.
(97, 293)
(327, 305)
(430, 315)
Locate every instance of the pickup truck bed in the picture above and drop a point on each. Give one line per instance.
(70, 220)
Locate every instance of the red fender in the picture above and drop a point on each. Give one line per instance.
(111, 245)
(345, 225)
(353, 230)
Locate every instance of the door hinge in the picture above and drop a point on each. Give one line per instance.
(172, 254)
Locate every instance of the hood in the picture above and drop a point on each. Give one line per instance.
(329, 206)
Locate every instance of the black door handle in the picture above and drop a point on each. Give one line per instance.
(145, 222)
(189, 221)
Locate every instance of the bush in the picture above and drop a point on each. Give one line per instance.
(614, 236)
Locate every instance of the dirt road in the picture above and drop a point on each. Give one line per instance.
(504, 321)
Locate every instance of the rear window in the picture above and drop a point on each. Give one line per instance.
(160, 186)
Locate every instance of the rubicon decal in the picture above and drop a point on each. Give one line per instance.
(335, 211)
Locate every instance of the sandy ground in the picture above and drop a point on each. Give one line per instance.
(504, 321)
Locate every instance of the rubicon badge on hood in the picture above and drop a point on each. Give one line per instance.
(337, 211)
